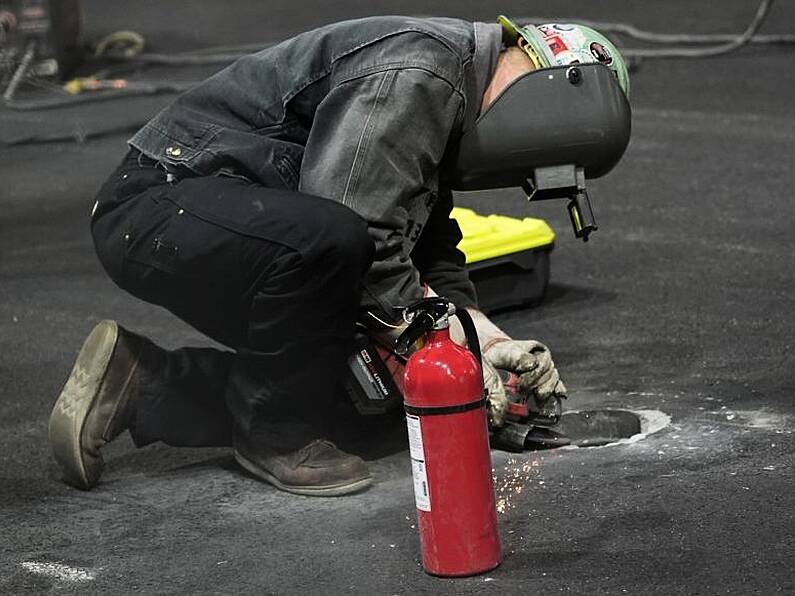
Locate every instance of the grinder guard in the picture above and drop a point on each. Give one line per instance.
(580, 129)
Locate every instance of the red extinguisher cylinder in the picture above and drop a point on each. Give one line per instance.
(451, 461)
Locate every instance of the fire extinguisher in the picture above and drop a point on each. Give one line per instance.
(445, 407)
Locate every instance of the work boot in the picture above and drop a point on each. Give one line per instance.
(318, 469)
(95, 405)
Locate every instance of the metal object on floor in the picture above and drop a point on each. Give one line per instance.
(38, 37)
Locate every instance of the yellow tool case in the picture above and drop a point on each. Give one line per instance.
(507, 258)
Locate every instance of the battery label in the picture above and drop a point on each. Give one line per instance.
(422, 493)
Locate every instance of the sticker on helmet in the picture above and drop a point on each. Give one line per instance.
(600, 53)
(568, 57)
(548, 31)
(556, 44)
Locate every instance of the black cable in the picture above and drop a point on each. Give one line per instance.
(127, 46)
(243, 49)
(688, 38)
(731, 42)
(186, 59)
(76, 136)
(741, 40)
(134, 89)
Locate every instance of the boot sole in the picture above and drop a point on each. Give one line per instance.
(75, 402)
(329, 490)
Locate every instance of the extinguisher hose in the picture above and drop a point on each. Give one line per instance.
(469, 332)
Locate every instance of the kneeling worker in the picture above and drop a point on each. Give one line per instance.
(293, 193)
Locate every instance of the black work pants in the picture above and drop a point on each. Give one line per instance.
(273, 274)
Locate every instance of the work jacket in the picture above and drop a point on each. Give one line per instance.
(360, 112)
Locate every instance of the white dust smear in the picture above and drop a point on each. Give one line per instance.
(59, 571)
(764, 419)
(651, 421)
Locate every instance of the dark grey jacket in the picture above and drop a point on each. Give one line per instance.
(360, 112)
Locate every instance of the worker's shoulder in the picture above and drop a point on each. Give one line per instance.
(440, 45)
(455, 34)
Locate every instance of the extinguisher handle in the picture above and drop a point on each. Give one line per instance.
(421, 324)
(470, 333)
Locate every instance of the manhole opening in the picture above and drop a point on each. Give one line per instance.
(591, 428)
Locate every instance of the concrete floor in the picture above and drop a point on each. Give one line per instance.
(682, 302)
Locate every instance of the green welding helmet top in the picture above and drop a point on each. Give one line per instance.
(561, 44)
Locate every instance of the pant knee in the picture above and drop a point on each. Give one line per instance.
(346, 239)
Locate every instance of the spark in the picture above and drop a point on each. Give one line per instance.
(511, 482)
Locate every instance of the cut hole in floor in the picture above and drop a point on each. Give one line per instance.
(591, 428)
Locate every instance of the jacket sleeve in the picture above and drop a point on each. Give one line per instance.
(436, 256)
(375, 146)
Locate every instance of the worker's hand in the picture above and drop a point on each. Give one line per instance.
(495, 391)
(531, 361)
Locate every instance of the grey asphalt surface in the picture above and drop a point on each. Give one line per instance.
(682, 303)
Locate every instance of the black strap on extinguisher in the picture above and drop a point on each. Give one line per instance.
(473, 343)
(440, 410)
(470, 332)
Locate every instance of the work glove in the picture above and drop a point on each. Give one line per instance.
(495, 392)
(527, 364)
(532, 362)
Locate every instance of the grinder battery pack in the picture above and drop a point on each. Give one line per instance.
(374, 380)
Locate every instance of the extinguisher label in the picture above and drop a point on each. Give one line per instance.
(422, 493)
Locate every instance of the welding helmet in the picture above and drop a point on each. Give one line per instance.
(561, 44)
(553, 127)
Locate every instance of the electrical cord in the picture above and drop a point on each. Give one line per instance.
(76, 136)
(129, 89)
(187, 59)
(674, 38)
(729, 43)
(681, 52)
(132, 45)
(242, 49)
